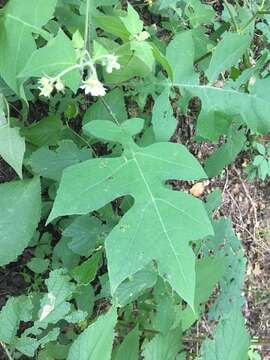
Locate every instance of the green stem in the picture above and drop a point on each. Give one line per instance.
(64, 72)
(7, 110)
(204, 56)
(81, 138)
(260, 12)
(262, 5)
(263, 12)
(231, 15)
(107, 106)
(249, 22)
(87, 29)
(6, 351)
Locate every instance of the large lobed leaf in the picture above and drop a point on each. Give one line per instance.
(177, 217)
(220, 105)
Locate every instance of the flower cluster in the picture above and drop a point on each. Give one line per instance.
(92, 85)
(110, 61)
(47, 85)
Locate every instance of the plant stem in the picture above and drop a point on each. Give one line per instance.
(107, 106)
(7, 110)
(87, 29)
(231, 15)
(82, 139)
(204, 56)
(249, 21)
(64, 72)
(6, 351)
(263, 12)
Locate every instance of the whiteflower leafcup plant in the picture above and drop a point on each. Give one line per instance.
(91, 84)
(119, 263)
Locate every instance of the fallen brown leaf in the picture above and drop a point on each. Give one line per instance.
(197, 189)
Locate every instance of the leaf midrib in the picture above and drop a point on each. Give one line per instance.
(222, 90)
(153, 200)
(33, 28)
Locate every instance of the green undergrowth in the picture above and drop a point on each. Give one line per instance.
(122, 265)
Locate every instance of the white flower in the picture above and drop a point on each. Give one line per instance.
(94, 87)
(46, 87)
(110, 61)
(59, 85)
(142, 36)
(44, 81)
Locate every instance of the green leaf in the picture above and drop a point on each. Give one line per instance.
(54, 305)
(64, 254)
(113, 25)
(214, 201)
(260, 148)
(132, 21)
(132, 63)
(12, 147)
(164, 4)
(199, 13)
(38, 265)
(258, 160)
(53, 351)
(47, 131)
(263, 169)
(165, 315)
(231, 339)
(180, 55)
(219, 105)
(227, 53)
(50, 164)
(129, 348)
(96, 341)
(226, 154)
(226, 103)
(98, 111)
(52, 59)
(134, 286)
(144, 52)
(209, 271)
(28, 345)
(163, 120)
(164, 347)
(225, 243)
(141, 173)
(17, 43)
(20, 202)
(17, 12)
(85, 298)
(161, 59)
(87, 271)
(85, 233)
(15, 310)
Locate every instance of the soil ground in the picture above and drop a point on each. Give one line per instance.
(248, 204)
